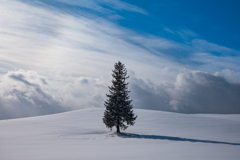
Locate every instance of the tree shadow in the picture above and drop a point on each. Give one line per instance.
(138, 136)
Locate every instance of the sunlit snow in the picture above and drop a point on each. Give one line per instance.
(156, 135)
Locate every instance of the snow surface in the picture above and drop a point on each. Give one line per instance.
(156, 135)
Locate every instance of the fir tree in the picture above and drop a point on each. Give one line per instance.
(118, 104)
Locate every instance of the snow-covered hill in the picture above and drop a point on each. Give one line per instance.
(156, 135)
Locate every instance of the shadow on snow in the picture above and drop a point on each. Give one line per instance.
(130, 135)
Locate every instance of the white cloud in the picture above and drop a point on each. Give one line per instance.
(212, 63)
(120, 5)
(231, 76)
(25, 93)
(52, 42)
(84, 92)
(96, 5)
(22, 94)
(192, 92)
(71, 51)
(184, 33)
(204, 46)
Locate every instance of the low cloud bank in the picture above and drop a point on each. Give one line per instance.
(193, 92)
(25, 93)
(21, 95)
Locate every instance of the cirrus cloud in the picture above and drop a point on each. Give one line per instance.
(67, 49)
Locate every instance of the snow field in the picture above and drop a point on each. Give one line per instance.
(81, 134)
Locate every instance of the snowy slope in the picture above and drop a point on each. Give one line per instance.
(156, 135)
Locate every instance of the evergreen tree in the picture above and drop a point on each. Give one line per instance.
(118, 104)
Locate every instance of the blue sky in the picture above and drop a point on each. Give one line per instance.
(182, 21)
(215, 21)
(182, 56)
(196, 26)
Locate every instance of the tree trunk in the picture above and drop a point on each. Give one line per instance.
(118, 130)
